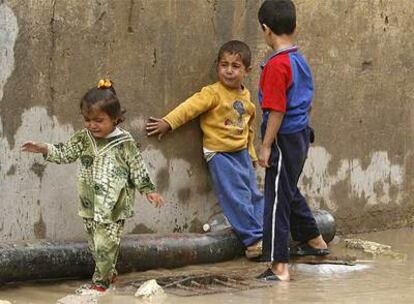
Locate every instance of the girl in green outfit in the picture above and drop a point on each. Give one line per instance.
(111, 169)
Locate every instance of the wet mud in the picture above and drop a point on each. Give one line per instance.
(371, 279)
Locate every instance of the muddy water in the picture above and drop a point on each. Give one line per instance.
(372, 280)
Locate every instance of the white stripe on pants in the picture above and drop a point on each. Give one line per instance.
(279, 167)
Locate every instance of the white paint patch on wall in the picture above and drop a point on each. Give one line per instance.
(320, 181)
(34, 193)
(175, 214)
(373, 183)
(8, 34)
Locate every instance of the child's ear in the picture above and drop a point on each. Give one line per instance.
(249, 69)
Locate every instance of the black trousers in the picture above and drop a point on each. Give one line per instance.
(286, 210)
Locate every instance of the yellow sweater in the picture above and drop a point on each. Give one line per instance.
(226, 118)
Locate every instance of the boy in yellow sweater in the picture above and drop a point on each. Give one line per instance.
(227, 121)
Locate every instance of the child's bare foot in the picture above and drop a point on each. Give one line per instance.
(318, 243)
(278, 272)
(316, 246)
(254, 250)
(281, 270)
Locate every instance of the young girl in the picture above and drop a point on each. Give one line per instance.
(111, 169)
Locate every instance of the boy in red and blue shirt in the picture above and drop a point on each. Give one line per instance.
(285, 95)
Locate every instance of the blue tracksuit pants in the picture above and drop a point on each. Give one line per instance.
(235, 185)
(286, 210)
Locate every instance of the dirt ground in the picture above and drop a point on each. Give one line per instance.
(373, 279)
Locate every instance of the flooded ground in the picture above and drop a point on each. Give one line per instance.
(371, 280)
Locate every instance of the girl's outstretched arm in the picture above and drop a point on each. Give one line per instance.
(33, 147)
(62, 153)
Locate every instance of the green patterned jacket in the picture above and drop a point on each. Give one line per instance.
(111, 169)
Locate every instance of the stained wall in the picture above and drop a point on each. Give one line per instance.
(158, 53)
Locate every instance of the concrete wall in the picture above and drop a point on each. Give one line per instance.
(361, 166)
(161, 51)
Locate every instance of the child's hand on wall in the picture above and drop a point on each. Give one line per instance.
(157, 126)
(156, 199)
(33, 147)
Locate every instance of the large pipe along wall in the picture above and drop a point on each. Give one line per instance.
(71, 259)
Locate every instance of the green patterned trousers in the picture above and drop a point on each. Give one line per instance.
(104, 243)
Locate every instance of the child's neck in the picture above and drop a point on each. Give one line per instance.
(239, 90)
(281, 42)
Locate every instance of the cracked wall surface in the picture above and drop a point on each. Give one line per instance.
(158, 53)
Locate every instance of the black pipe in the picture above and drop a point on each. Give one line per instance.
(68, 259)
(326, 224)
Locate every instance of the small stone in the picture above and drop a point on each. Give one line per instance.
(206, 227)
(148, 289)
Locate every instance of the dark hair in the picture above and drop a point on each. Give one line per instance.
(106, 100)
(236, 47)
(279, 16)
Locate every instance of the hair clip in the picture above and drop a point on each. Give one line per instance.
(104, 84)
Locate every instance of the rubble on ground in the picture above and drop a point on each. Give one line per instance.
(148, 289)
(373, 248)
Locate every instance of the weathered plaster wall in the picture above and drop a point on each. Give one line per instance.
(362, 164)
(158, 53)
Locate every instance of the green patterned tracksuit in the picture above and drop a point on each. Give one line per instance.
(111, 169)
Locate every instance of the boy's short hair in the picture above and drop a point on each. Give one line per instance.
(279, 16)
(236, 47)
